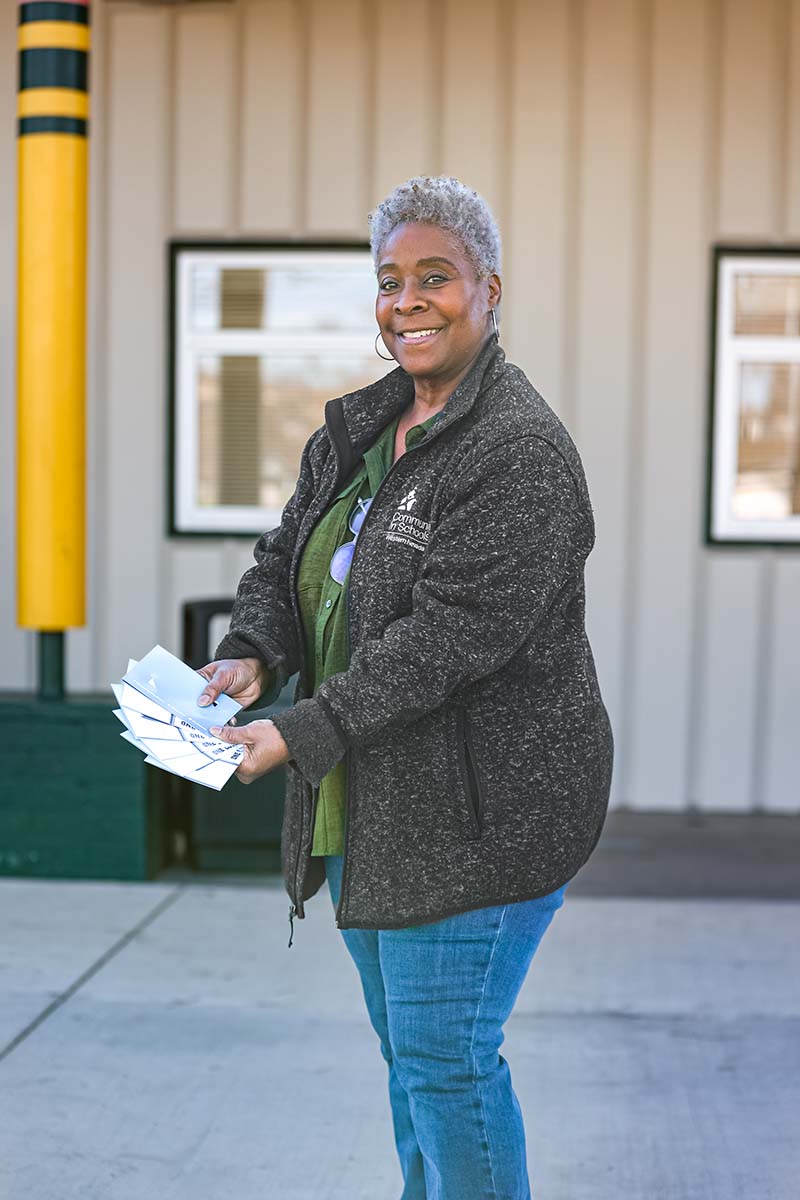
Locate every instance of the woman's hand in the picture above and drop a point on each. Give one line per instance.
(264, 747)
(243, 679)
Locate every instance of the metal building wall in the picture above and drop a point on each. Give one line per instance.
(616, 139)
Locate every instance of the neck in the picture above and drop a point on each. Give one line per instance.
(432, 393)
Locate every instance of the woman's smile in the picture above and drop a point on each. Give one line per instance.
(415, 337)
(431, 307)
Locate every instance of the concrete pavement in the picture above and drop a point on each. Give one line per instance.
(162, 1040)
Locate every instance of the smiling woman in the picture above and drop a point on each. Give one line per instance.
(437, 253)
(439, 667)
(433, 310)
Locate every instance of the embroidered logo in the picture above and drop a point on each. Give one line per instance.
(406, 528)
(408, 501)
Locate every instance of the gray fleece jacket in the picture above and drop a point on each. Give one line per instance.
(478, 748)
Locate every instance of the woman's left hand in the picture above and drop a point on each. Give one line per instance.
(264, 747)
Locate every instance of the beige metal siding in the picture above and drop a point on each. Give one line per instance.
(667, 449)
(616, 139)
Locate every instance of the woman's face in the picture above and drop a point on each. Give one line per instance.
(432, 311)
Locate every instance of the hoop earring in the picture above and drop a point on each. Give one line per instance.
(494, 322)
(391, 357)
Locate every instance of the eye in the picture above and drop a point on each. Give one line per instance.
(436, 276)
(386, 285)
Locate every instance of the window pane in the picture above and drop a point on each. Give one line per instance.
(767, 305)
(768, 475)
(283, 298)
(256, 414)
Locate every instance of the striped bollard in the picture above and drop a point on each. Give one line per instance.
(53, 111)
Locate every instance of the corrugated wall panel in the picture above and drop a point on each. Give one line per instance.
(792, 111)
(339, 118)
(139, 45)
(538, 238)
(207, 56)
(731, 630)
(272, 114)
(206, 120)
(779, 777)
(473, 115)
(608, 327)
(405, 93)
(615, 139)
(195, 570)
(665, 549)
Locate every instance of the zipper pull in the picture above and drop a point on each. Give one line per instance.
(292, 911)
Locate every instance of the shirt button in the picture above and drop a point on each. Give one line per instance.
(328, 603)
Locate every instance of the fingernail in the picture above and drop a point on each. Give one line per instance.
(216, 730)
(203, 699)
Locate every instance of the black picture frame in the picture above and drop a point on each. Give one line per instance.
(174, 248)
(719, 252)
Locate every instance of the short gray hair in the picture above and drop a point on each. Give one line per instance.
(444, 201)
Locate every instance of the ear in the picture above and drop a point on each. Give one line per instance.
(495, 289)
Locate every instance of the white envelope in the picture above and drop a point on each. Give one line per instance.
(170, 751)
(146, 727)
(214, 775)
(157, 700)
(131, 698)
(168, 681)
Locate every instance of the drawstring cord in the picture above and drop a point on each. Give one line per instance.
(292, 911)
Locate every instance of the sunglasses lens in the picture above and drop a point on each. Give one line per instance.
(340, 563)
(357, 519)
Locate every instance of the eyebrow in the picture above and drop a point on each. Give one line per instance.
(421, 262)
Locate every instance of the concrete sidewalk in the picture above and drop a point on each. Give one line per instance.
(162, 1041)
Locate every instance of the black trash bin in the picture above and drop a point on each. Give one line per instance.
(239, 828)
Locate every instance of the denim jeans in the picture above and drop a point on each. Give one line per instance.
(438, 996)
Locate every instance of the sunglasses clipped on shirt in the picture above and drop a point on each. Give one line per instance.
(340, 562)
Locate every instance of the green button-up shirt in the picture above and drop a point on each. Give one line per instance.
(324, 612)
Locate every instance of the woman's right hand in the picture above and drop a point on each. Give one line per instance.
(243, 679)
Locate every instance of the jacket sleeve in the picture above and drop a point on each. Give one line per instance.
(510, 532)
(262, 625)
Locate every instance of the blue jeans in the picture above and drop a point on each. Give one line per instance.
(438, 996)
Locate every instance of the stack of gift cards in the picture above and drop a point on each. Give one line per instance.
(157, 699)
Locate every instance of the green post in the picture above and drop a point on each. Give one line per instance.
(51, 665)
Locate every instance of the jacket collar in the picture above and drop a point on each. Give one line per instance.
(354, 421)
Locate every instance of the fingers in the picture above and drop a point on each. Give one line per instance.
(227, 733)
(216, 684)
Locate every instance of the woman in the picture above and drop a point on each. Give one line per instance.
(448, 753)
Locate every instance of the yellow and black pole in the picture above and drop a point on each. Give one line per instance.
(53, 112)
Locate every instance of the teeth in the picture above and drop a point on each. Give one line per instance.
(420, 333)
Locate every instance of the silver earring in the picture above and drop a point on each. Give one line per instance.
(391, 357)
(494, 322)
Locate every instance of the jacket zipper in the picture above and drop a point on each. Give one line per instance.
(434, 432)
(347, 752)
(410, 450)
(294, 908)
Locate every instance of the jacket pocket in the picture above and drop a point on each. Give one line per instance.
(471, 788)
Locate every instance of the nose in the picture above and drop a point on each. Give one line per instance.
(408, 299)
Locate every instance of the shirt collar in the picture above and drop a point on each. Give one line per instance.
(367, 411)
